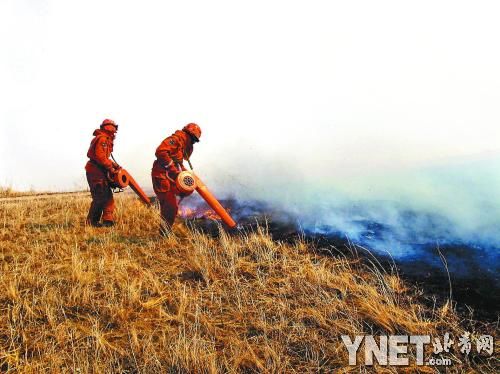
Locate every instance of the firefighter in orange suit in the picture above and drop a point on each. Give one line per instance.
(97, 168)
(169, 157)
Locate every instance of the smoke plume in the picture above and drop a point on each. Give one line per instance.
(407, 212)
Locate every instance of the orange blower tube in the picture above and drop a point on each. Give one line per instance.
(202, 189)
(186, 183)
(123, 179)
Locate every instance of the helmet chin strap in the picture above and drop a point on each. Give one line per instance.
(113, 157)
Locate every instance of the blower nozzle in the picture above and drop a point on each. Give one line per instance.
(123, 179)
(187, 182)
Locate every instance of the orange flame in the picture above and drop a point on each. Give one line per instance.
(190, 213)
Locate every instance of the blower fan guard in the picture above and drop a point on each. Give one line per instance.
(186, 182)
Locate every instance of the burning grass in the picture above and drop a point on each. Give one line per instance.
(82, 299)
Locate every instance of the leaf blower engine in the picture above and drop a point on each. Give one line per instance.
(123, 179)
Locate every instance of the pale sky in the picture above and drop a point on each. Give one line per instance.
(345, 88)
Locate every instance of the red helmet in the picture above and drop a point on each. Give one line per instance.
(108, 121)
(194, 130)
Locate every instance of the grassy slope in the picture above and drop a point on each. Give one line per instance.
(123, 299)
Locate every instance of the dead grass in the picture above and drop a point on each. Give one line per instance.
(10, 192)
(81, 299)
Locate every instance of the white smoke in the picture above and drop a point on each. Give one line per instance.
(395, 210)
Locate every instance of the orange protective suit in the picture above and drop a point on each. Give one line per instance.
(97, 168)
(169, 156)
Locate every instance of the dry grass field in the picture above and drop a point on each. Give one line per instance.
(6, 192)
(124, 300)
